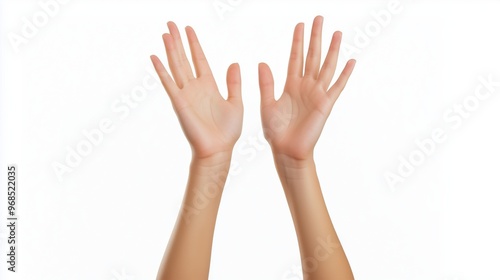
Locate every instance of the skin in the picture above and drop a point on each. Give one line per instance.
(211, 125)
(292, 125)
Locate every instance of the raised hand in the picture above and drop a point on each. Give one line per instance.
(211, 123)
(293, 123)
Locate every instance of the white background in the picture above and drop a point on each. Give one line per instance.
(111, 216)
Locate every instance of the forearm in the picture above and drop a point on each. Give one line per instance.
(188, 253)
(320, 249)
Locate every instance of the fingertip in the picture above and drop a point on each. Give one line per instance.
(191, 34)
(169, 40)
(262, 66)
(235, 68)
(234, 82)
(265, 74)
(348, 68)
(157, 64)
(263, 69)
(155, 60)
(170, 25)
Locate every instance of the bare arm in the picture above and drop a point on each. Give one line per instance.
(292, 126)
(188, 252)
(321, 251)
(212, 125)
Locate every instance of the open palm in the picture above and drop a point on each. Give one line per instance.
(293, 123)
(211, 123)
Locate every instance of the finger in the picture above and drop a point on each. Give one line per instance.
(266, 85)
(167, 81)
(174, 62)
(296, 62)
(186, 67)
(314, 53)
(339, 85)
(233, 80)
(199, 60)
(328, 69)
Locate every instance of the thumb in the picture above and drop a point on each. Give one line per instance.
(266, 85)
(233, 80)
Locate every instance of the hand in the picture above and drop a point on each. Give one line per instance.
(293, 123)
(211, 123)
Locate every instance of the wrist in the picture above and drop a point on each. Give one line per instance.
(284, 160)
(215, 159)
(293, 170)
(214, 168)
